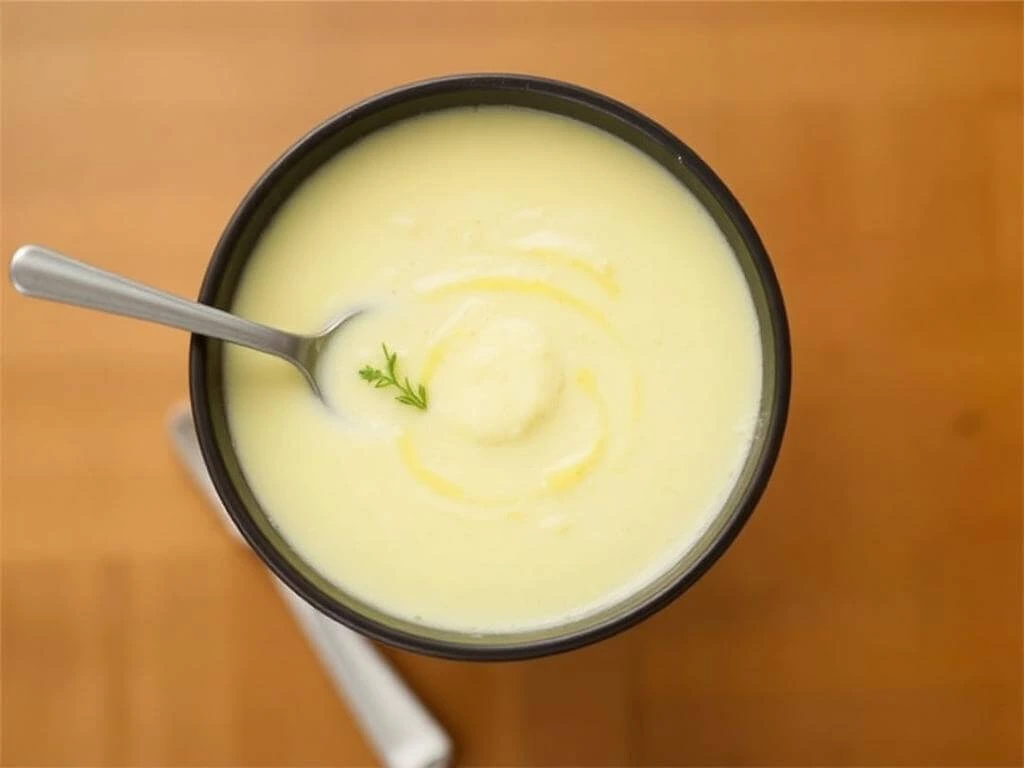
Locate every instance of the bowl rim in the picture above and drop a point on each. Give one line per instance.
(448, 85)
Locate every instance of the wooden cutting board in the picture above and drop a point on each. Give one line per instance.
(871, 611)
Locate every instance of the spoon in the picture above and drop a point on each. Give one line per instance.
(45, 274)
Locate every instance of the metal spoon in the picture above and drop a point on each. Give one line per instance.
(45, 274)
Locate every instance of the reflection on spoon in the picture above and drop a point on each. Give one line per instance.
(45, 274)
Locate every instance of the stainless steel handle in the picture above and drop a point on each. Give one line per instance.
(403, 733)
(398, 726)
(45, 274)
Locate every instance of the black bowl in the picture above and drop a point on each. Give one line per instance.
(347, 127)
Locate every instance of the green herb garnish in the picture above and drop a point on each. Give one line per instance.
(389, 378)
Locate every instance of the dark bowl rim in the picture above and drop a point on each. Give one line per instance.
(447, 85)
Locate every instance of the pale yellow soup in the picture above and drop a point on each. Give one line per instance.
(588, 347)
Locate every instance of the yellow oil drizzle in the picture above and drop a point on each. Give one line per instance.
(450, 332)
(435, 354)
(603, 274)
(440, 485)
(497, 283)
(567, 474)
(638, 389)
(529, 286)
(571, 472)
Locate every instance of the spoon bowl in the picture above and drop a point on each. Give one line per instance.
(309, 349)
(46, 274)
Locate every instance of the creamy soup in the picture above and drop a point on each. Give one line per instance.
(582, 360)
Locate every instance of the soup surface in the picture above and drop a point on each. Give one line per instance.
(577, 329)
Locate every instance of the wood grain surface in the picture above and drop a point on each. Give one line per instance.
(871, 611)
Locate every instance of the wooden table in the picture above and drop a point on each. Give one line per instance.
(871, 611)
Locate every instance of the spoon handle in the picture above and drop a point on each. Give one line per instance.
(45, 274)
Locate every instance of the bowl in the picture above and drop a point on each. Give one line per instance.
(309, 153)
